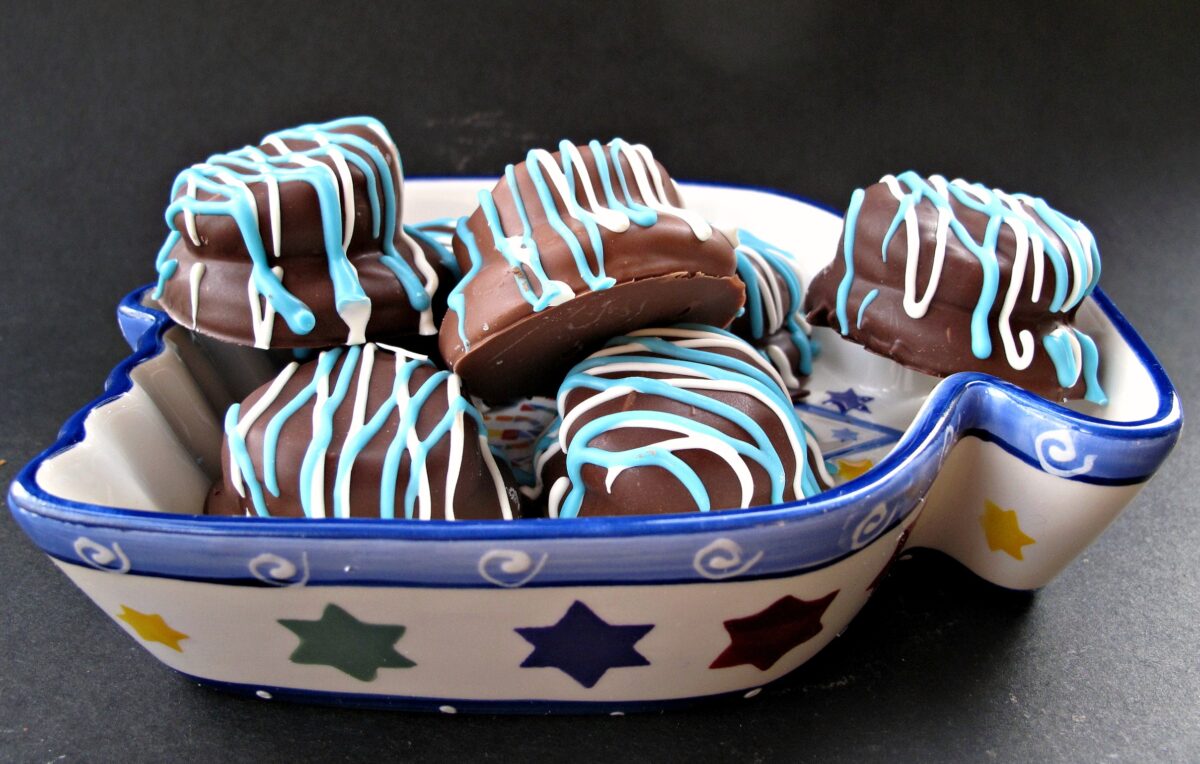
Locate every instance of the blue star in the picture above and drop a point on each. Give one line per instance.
(848, 400)
(583, 646)
(844, 434)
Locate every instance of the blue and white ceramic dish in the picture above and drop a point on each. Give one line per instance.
(598, 614)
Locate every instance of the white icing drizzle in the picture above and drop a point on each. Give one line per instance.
(194, 277)
(316, 495)
(691, 440)
(189, 217)
(250, 417)
(262, 318)
(555, 497)
(782, 365)
(358, 417)
(642, 162)
(456, 445)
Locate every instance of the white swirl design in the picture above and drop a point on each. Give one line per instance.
(1056, 451)
(499, 566)
(101, 557)
(723, 559)
(871, 526)
(278, 571)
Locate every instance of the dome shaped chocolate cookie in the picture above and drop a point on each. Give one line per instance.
(298, 242)
(953, 276)
(668, 420)
(570, 249)
(365, 431)
(773, 319)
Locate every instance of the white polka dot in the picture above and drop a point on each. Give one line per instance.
(263, 694)
(753, 692)
(448, 709)
(617, 713)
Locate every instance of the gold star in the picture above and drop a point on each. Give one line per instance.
(848, 469)
(1002, 530)
(152, 628)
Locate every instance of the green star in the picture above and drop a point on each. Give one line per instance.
(340, 640)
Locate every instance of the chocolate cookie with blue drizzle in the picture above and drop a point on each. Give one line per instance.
(365, 431)
(679, 419)
(569, 249)
(947, 276)
(298, 242)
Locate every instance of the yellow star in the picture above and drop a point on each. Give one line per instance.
(152, 628)
(1002, 531)
(848, 469)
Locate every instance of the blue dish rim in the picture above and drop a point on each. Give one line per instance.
(1155, 435)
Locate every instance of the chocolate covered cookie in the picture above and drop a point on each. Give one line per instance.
(572, 248)
(680, 419)
(946, 276)
(298, 242)
(364, 431)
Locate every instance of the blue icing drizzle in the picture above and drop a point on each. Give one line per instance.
(325, 364)
(781, 262)
(1000, 210)
(843, 292)
(457, 299)
(314, 459)
(661, 353)
(251, 165)
(862, 308)
(1058, 347)
(1091, 364)
(441, 246)
(638, 213)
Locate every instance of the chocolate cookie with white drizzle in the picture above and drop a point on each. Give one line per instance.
(679, 419)
(365, 431)
(298, 243)
(572, 248)
(947, 276)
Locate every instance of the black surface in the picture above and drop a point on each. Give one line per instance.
(1094, 108)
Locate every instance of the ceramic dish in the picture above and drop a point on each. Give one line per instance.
(598, 614)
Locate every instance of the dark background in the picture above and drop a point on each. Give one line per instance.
(1093, 107)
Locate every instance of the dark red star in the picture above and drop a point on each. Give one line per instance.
(763, 638)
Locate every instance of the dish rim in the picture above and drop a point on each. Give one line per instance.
(921, 441)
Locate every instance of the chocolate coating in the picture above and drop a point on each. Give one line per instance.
(504, 346)
(483, 486)
(940, 342)
(727, 372)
